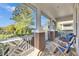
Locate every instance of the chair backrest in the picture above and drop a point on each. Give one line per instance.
(71, 41)
(69, 37)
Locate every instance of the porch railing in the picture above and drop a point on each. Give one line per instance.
(17, 46)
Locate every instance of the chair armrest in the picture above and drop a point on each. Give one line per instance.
(57, 45)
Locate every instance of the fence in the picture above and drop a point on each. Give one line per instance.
(17, 46)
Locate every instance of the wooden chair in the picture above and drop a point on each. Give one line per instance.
(66, 49)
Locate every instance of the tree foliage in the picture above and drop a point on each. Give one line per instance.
(0, 28)
(23, 17)
(10, 29)
(22, 13)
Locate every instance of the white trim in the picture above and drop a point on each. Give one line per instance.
(51, 30)
(16, 38)
(11, 39)
(38, 31)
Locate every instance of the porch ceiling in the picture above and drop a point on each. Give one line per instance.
(57, 10)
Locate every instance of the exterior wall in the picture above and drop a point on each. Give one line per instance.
(61, 25)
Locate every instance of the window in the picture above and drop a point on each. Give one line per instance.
(34, 19)
(67, 25)
(44, 22)
(33, 25)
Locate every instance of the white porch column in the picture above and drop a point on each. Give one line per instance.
(51, 30)
(38, 19)
(76, 25)
(39, 36)
(51, 25)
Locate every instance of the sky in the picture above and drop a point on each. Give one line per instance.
(6, 10)
(44, 21)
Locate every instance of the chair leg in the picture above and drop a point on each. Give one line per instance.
(73, 53)
(55, 50)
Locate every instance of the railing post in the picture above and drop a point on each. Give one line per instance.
(39, 40)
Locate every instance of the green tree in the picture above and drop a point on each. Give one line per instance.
(23, 17)
(0, 28)
(10, 29)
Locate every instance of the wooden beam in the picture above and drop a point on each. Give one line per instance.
(30, 5)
